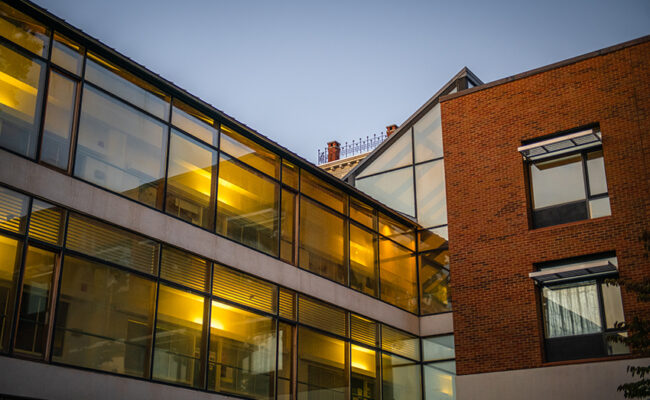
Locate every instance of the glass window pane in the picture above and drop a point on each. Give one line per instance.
(120, 148)
(398, 276)
(400, 378)
(322, 242)
(439, 383)
(363, 330)
(10, 255)
(59, 114)
(247, 207)
(290, 174)
(396, 231)
(596, 173)
(251, 153)
(557, 181)
(125, 85)
(431, 193)
(288, 226)
(322, 192)
(613, 305)
(242, 352)
(438, 348)
(322, 316)
(47, 222)
(34, 316)
(112, 244)
(433, 239)
(395, 189)
(285, 360)
(398, 154)
(184, 268)
(434, 282)
(321, 366)
(362, 213)
(365, 373)
(400, 342)
(191, 181)
(21, 94)
(194, 122)
(104, 318)
(571, 309)
(24, 30)
(427, 133)
(13, 210)
(363, 260)
(287, 304)
(599, 208)
(244, 289)
(67, 54)
(179, 337)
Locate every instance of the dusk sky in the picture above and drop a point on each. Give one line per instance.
(304, 72)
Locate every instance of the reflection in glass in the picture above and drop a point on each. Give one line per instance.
(433, 239)
(364, 383)
(179, 337)
(290, 174)
(427, 133)
(400, 378)
(191, 180)
(613, 305)
(127, 86)
(571, 309)
(398, 154)
(33, 319)
(23, 30)
(21, 94)
(596, 173)
(440, 381)
(194, 122)
(438, 348)
(323, 192)
(434, 282)
(395, 189)
(398, 276)
(396, 231)
(13, 210)
(285, 360)
(47, 222)
(363, 260)
(322, 372)
(104, 318)
(59, 114)
(10, 251)
(431, 193)
(121, 149)
(322, 242)
(362, 213)
(599, 207)
(247, 207)
(185, 268)
(244, 289)
(67, 54)
(249, 152)
(242, 352)
(288, 226)
(557, 181)
(399, 342)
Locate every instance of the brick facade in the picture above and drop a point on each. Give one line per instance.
(497, 312)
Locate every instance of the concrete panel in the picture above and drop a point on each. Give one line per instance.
(590, 381)
(44, 381)
(75, 194)
(439, 324)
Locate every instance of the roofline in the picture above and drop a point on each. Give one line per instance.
(464, 72)
(549, 67)
(67, 29)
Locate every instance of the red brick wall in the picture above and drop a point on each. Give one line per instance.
(497, 319)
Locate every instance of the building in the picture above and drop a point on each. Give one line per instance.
(151, 246)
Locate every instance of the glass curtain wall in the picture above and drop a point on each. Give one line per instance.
(91, 117)
(409, 176)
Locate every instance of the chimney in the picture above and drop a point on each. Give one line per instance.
(390, 129)
(333, 151)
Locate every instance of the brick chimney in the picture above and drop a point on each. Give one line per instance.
(333, 151)
(390, 129)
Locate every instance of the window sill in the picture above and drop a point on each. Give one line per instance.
(568, 224)
(591, 360)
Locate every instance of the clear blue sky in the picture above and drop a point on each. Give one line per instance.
(306, 72)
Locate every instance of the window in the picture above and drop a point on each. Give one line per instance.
(567, 179)
(580, 309)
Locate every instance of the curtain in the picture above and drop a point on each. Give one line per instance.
(571, 309)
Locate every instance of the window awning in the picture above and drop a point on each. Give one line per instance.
(582, 270)
(561, 144)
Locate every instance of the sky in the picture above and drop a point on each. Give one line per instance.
(304, 73)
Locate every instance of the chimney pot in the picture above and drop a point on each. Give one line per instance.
(390, 129)
(333, 151)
